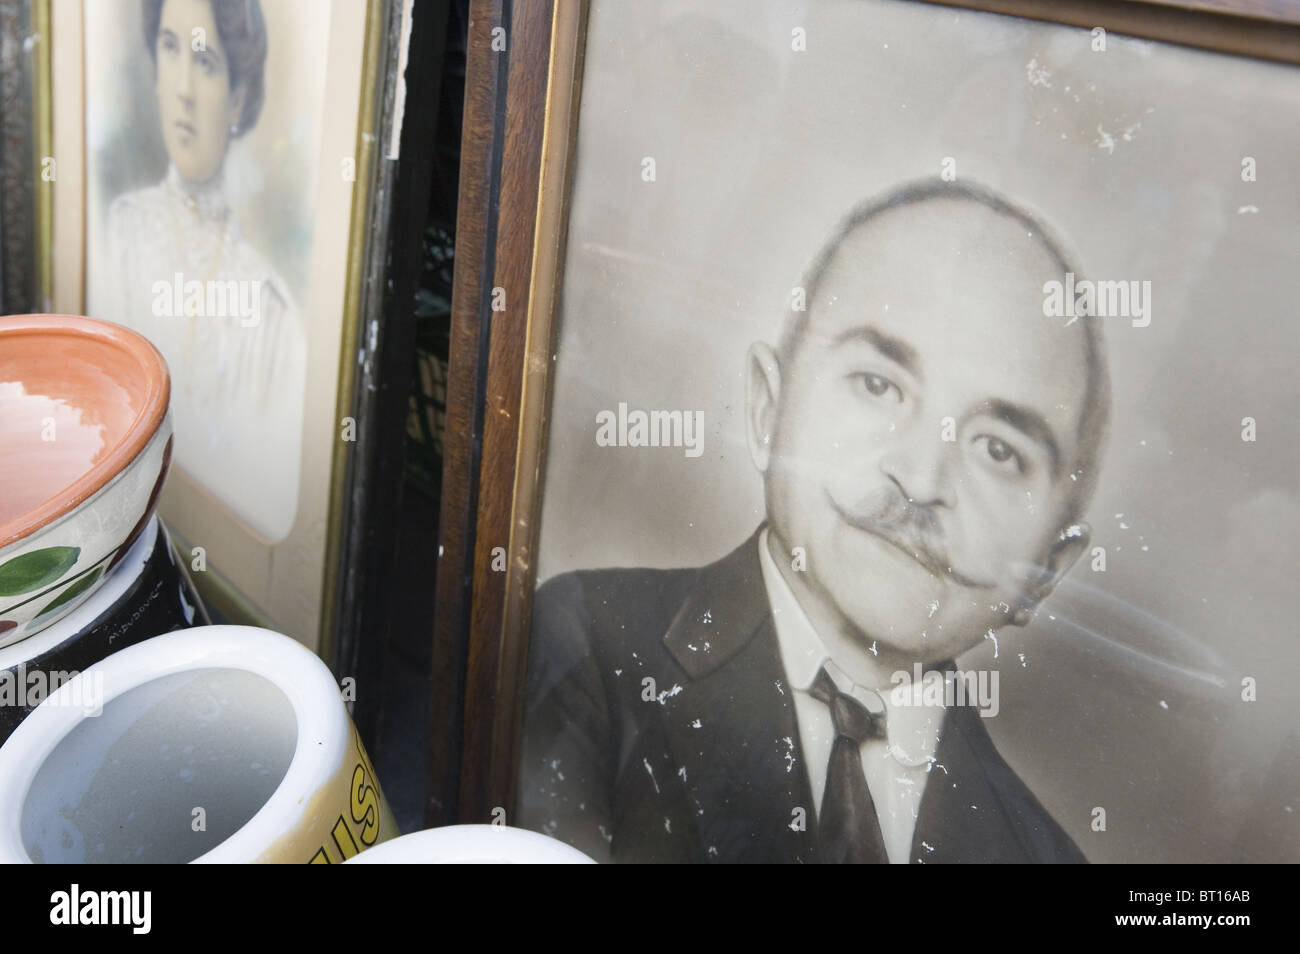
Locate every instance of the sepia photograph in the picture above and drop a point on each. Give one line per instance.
(918, 484)
(209, 188)
(202, 128)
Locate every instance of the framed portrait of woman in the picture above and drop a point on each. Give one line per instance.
(210, 194)
(858, 412)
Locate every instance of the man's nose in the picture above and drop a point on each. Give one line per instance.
(920, 464)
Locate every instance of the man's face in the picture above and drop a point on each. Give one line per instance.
(925, 430)
(195, 101)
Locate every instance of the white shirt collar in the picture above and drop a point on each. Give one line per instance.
(913, 730)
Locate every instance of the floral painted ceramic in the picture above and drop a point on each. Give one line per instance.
(147, 594)
(85, 443)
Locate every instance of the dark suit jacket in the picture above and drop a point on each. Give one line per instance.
(710, 767)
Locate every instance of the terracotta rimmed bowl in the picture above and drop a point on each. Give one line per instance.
(85, 443)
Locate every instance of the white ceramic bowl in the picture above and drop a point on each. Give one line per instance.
(213, 744)
(85, 443)
(473, 844)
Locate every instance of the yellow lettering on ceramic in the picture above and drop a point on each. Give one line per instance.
(343, 838)
(365, 806)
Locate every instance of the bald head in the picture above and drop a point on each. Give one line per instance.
(962, 268)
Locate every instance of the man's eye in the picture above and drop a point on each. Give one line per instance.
(1002, 453)
(878, 386)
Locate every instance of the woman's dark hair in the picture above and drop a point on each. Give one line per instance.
(242, 33)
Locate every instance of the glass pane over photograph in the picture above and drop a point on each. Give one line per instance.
(920, 476)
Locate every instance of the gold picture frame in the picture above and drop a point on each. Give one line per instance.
(288, 585)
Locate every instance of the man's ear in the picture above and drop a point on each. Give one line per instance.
(762, 390)
(1064, 553)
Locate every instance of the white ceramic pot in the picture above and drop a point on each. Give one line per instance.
(213, 744)
(473, 844)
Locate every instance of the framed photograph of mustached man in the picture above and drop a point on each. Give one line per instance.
(893, 457)
(210, 156)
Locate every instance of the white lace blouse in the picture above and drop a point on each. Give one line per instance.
(188, 280)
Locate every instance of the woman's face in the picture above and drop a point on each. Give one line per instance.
(195, 100)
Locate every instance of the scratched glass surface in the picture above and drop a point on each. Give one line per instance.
(923, 430)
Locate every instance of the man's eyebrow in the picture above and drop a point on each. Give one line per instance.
(895, 349)
(1028, 422)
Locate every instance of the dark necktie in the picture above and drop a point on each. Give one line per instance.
(848, 831)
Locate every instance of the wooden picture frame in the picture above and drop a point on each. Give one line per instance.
(522, 106)
(290, 584)
(472, 675)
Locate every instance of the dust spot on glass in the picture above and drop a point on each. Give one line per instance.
(651, 772)
(669, 693)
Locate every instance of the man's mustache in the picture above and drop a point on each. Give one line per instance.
(914, 529)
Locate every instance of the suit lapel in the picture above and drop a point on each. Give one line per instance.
(962, 819)
(731, 728)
